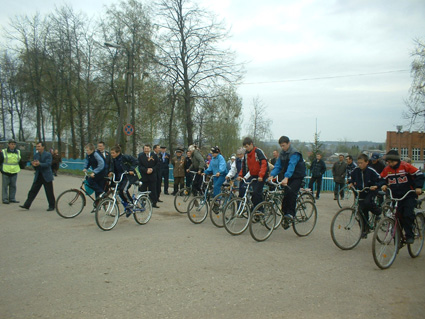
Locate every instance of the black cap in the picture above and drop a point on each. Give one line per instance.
(392, 155)
(215, 149)
(11, 141)
(163, 147)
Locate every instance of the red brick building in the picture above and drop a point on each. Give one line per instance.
(408, 144)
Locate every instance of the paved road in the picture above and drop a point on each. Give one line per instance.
(170, 268)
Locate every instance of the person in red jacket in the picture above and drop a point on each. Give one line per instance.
(402, 177)
(254, 163)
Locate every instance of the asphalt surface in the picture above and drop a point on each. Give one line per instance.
(52, 267)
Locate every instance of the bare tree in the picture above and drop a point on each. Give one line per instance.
(188, 44)
(416, 103)
(259, 125)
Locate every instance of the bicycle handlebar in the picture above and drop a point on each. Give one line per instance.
(399, 199)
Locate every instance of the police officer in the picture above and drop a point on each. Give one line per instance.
(10, 158)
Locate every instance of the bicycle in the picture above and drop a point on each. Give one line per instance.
(71, 202)
(108, 212)
(269, 212)
(389, 237)
(349, 225)
(181, 199)
(237, 213)
(198, 207)
(220, 201)
(346, 197)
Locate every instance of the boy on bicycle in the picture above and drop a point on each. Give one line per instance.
(365, 176)
(255, 164)
(95, 161)
(291, 164)
(402, 177)
(121, 163)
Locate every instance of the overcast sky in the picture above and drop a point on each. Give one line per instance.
(345, 63)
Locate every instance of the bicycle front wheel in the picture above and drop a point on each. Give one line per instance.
(263, 221)
(107, 214)
(305, 218)
(70, 203)
(218, 204)
(182, 199)
(236, 216)
(306, 196)
(346, 197)
(346, 228)
(418, 230)
(385, 243)
(142, 210)
(197, 210)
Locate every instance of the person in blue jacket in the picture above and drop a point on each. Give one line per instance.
(217, 168)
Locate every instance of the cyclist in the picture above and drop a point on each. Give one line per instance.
(218, 168)
(255, 164)
(96, 162)
(402, 177)
(121, 163)
(291, 163)
(350, 165)
(365, 176)
(198, 164)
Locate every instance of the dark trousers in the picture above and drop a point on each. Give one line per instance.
(152, 187)
(165, 175)
(189, 177)
(197, 184)
(367, 204)
(158, 184)
(97, 183)
(35, 188)
(178, 184)
(318, 181)
(407, 215)
(289, 201)
(338, 187)
(257, 191)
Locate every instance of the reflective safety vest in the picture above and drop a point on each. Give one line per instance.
(11, 162)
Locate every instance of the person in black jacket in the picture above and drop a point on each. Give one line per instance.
(164, 159)
(317, 169)
(365, 176)
(156, 150)
(121, 163)
(106, 155)
(148, 167)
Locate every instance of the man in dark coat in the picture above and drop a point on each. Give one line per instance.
(317, 169)
(148, 166)
(164, 159)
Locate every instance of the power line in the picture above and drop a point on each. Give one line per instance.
(326, 77)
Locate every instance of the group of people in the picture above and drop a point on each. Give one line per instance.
(250, 163)
(374, 174)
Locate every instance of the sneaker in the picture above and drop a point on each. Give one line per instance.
(289, 217)
(128, 210)
(410, 240)
(317, 197)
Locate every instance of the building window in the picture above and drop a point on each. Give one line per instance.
(416, 154)
(404, 152)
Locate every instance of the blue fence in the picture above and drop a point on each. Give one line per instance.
(327, 181)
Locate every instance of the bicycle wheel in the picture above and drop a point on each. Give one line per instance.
(263, 221)
(306, 196)
(418, 229)
(346, 228)
(182, 199)
(142, 211)
(385, 243)
(346, 197)
(107, 214)
(197, 210)
(70, 203)
(236, 216)
(218, 204)
(305, 218)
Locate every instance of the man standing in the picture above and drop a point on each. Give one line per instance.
(148, 166)
(178, 171)
(10, 159)
(43, 177)
(338, 172)
(165, 167)
(317, 169)
(156, 150)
